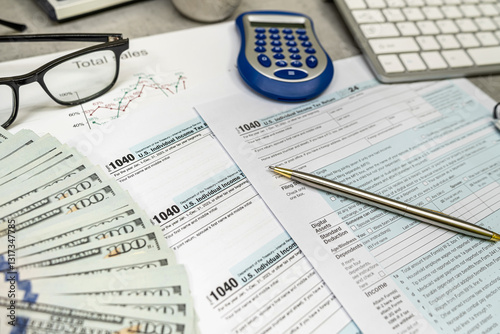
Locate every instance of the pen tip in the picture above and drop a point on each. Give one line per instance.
(495, 237)
(271, 167)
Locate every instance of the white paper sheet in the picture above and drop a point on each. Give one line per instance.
(430, 144)
(246, 274)
(163, 66)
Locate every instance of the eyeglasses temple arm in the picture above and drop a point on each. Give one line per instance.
(62, 38)
(15, 26)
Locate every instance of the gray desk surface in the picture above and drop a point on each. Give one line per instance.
(151, 17)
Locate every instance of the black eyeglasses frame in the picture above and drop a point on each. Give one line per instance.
(113, 42)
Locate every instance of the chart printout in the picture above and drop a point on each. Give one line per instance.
(246, 274)
(431, 145)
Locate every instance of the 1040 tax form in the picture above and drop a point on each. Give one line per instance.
(429, 144)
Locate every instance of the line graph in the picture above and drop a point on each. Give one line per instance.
(127, 95)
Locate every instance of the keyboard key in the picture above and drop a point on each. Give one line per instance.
(296, 63)
(487, 38)
(428, 43)
(428, 27)
(412, 62)
(281, 63)
(310, 50)
(457, 58)
(260, 49)
(448, 41)
(470, 10)
(393, 45)
(277, 49)
(274, 30)
(485, 24)
(488, 10)
(432, 13)
(276, 43)
(451, 12)
(379, 30)
(467, 40)
(447, 26)
(291, 43)
(293, 50)
(376, 3)
(260, 42)
(497, 21)
(408, 29)
(415, 3)
(391, 63)
(393, 15)
(355, 4)
(287, 31)
(279, 56)
(433, 60)
(395, 3)
(306, 44)
(260, 36)
(295, 56)
(368, 16)
(466, 25)
(485, 56)
(413, 14)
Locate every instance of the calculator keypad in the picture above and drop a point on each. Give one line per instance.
(292, 62)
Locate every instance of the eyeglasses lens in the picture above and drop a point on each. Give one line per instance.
(7, 103)
(81, 77)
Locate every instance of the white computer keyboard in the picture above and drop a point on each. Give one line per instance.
(409, 40)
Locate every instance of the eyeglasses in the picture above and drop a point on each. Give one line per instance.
(69, 80)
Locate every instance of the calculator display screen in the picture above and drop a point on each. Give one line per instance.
(278, 25)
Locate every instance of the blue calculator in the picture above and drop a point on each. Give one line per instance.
(280, 56)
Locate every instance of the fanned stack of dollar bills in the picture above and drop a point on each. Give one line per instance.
(78, 255)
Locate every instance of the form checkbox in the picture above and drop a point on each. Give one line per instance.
(369, 230)
(425, 183)
(353, 228)
(428, 199)
(333, 198)
(381, 273)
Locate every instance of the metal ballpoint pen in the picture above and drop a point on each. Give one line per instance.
(425, 215)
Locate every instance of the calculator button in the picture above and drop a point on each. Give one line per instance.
(303, 37)
(287, 31)
(289, 37)
(260, 36)
(295, 56)
(274, 30)
(311, 61)
(274, 36)
(260, 42)
(281, 63)
(260, 49)
(279, 56)
(310, 50)
(291, 43)
(293, 50)
(291, 74)
(277, 49)
(264, 60)
(300, 31)
(306, 44)
(296, 63)
(260, 30)
(276, 43)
